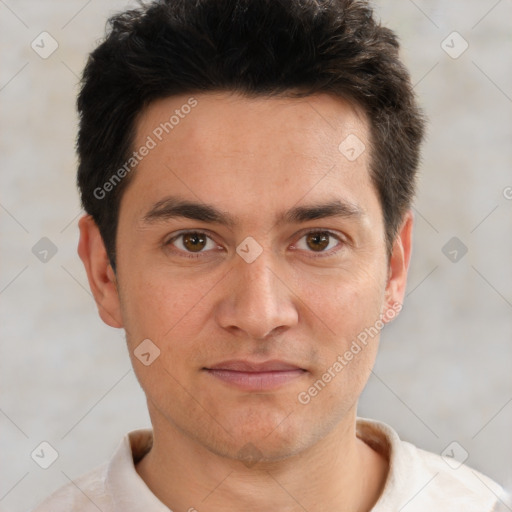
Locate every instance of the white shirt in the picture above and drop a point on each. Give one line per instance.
(418, 481)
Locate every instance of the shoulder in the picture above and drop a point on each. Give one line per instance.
(86, 493)
(110, 486)
(421, 481)
(451, 482)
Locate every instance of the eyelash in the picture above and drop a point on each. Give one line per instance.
(190, 255)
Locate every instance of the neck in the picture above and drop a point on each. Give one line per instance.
(339, 472)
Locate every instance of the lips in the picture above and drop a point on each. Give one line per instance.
(247, 366)
(253, 376)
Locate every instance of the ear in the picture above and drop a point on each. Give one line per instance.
(102, 279)
(398, 267)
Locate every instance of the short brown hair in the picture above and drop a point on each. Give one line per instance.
(254, 47)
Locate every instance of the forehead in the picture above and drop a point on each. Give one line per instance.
(204, 119)
(239, 151)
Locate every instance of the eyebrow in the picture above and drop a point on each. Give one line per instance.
(175, 207)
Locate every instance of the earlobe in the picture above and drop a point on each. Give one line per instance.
(101, 277)
(399, 266)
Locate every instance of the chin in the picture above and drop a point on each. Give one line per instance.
(265, 439)
(258, 449)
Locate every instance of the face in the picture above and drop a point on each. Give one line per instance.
(251, 252)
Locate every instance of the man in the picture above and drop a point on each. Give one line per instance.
(247, 168)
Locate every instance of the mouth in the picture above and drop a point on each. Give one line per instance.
(252, 376)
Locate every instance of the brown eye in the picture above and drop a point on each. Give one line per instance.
(318, 241)
(194, 242)
(191, 243)
(324, 243)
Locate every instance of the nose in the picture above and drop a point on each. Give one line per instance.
(258, 302)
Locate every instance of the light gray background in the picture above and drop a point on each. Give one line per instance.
(444, 371)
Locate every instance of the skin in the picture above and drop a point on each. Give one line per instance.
(252, 158)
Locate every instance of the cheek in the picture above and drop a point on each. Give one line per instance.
(165, 312)
(356, 309)
(346, 355)
(343, 304)
(173, 313)
(345, 330)
(156, 305)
